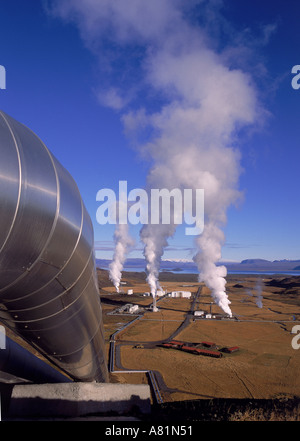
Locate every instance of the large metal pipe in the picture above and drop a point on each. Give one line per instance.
(48, 285)
(15, 360)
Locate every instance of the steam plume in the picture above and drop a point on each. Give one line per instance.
(257, 293)
(154, 238)
(213, 276)
(201, 100)
(193, 145)
(259, 296)
(123, 244)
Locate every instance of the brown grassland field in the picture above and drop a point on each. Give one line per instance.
(261, 381)
(265, 367)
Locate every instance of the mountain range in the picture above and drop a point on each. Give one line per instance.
(138, 264)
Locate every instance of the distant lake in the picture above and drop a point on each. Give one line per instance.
(194, 271)
(267, 273)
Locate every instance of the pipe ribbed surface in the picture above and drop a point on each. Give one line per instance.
(48, 286)
(22, 364)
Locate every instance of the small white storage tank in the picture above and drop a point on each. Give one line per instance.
(198, 313)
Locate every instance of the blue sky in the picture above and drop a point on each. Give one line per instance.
(58, 72)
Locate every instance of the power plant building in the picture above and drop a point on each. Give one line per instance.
(199, 313)
(180, 294)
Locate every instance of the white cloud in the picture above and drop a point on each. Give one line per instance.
(112, 98)
(124, 21)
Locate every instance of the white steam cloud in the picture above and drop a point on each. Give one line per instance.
(123, 245)
(259, 291)
(189, 131)
(123, 242)
(155, 241)
(193, 148)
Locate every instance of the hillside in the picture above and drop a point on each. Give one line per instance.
(138, 264)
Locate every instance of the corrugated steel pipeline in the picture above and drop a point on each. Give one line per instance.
(48, 286)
